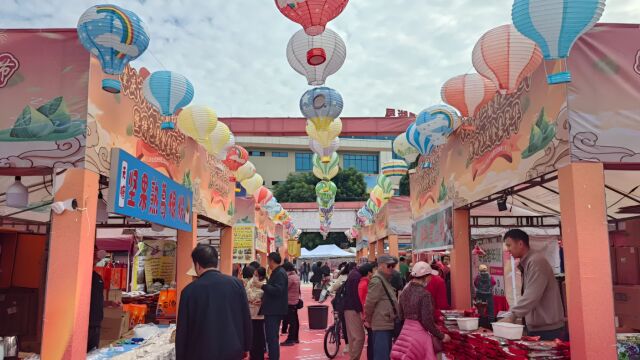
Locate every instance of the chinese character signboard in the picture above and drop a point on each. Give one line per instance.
(434, 231)
(243, 238)
(138, 190)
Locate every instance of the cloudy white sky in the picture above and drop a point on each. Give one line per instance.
(399, 52)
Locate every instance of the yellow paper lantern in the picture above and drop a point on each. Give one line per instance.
(198, 122)
(218, 139)
(252, 184)
(245, 171)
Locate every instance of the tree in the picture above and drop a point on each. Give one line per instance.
(405, 189)
(311, 240)
(301, 187)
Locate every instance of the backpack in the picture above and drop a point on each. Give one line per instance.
(339, 300)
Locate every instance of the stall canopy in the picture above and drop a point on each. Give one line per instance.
(325, 252)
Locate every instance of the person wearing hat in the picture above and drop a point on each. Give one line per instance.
(415, 308)
(214, 316)
(437, 287)
(380, 307)
(484, 284)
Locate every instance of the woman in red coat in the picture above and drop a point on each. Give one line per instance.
(438, 290)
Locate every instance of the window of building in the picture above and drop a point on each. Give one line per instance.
(303, 161)
(367, 164)
(275, 182)
(280, 154)
(257, 153)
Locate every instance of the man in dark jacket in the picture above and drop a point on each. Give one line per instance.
(275, 304)
(353, 314)
(96, 312)
(213, 315)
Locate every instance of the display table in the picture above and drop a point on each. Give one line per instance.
(628, 346)
(158, 346)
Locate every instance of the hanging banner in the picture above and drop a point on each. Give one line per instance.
(434, 230)
(139, 191)
(293, 248)
(261, 241)
(494, 249)
(159, 262)
(243, 239)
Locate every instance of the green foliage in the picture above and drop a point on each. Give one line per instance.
(405, 189)
(311, 240)
(300, 187)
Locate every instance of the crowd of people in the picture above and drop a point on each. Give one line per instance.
(392, 306)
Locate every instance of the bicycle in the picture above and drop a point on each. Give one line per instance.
(332, 337)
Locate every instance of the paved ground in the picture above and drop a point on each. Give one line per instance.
(311, 341)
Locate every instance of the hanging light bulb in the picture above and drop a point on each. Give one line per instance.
(102, 216)
(17, 194)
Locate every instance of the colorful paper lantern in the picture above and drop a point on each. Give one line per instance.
(326, 190)
(372, 206)
(328, 170)
(262, 195)
(115, 36)
(468, 93)
(218, 139)
(236, 157)
(245, 171)
(252, 184)
(313, 15)
(198, 122)
(167, 91)
(394, 168)
(422, 142)
(439, 121)
(403, 149)
(324, 153)
(316, 72)
(325, 137)
(386, 185)
(222, 154)
(555, 26)
(505, 57)
(320, 106)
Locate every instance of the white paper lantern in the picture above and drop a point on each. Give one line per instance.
(316, 57)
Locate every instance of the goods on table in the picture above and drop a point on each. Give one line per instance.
(628, 346)
(483, 345)
(468, 324)
(507, 330)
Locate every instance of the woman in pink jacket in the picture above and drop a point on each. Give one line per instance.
(416, 309)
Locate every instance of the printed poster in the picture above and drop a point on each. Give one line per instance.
(434, 231)
(243, 239)
(159, 262)
(494, 248)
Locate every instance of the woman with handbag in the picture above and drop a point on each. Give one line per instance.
(294, 301)
(420, 338)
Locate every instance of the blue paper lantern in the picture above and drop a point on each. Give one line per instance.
(420, 141)
(115, 36)
(439, 121)
(555, 25)
(321, 102)
(168, 92)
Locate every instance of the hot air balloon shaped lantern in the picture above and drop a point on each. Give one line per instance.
(325, 171)
(236, 157)
(324, 153)
(555, 26)
(422, 142)
(197, 122)
(325, 137)
(312, 15)
(505, 57)
(405, 150)
(168, 92)
(320, 106)
(316, 57)
(439, 121)
(219, 139)
(245, 171)
(394, 168)
(115, 36)
(468, 93)
(262, 196)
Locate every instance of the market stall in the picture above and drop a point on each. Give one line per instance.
(551, 149)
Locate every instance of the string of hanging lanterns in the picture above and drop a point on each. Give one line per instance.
(317, 52)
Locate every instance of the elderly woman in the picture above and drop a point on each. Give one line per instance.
(416, 341)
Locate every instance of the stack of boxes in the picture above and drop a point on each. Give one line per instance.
(625, 262)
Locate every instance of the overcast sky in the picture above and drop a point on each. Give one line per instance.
(399, 52)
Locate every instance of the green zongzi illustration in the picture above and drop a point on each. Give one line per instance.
(542, 132)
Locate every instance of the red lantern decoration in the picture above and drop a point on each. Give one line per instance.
(316, 56)
(262, 195)
(313, 15)
(468, 93)
(236, 157)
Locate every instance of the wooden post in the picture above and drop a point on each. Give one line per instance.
(586, 262)
(372, 251)
(393, 245)
(187, 241)
(461, 261)
(379, 247)
(226, 250)
(70, 262)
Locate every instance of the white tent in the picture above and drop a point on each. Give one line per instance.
(325, 252)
